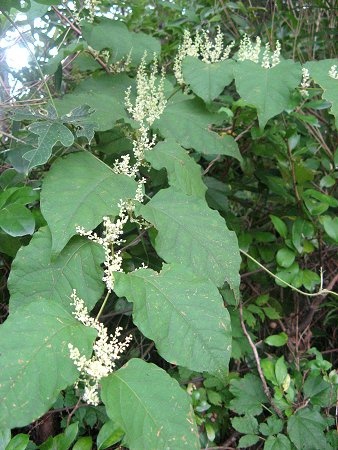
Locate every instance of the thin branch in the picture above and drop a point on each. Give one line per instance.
(218, 157)
(258, 363)
(79, 33)
(32, 55)
(315, 294)
(237, 138)
(65, 19)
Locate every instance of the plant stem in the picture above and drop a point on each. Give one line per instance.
(102, 306)
(315, 294)
(258, 363)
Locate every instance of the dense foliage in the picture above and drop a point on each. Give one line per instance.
(168, 233)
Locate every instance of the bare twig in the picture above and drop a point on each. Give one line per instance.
(218, 157)
(258, 363)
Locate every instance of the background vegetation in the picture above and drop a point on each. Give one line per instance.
(278, 194)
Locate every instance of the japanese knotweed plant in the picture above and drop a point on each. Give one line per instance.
(100, 202)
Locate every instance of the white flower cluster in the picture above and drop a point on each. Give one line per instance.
(91, 6)
(123, 65)
(200, 47)
(111, 237)
(106, 350)
(149, 105)
(150, 100)
(249, 51)
(212, 52)
(333, 72)
(306, 82)
(141, 144)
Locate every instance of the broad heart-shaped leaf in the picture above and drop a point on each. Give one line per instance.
(114, 35)
(188, 123)
(249, 395)
(35, 275)
(319, 71)
(50, 133)
(190, 233)
(267, 89)
(92, 191)
(150, 406)
(207, 80)
(183, 172)
(34, 359)
(305, 429)
(183, 314)
(104, 94)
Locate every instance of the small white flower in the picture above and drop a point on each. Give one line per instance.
(266, 57)
(333, 72)
(306, 82)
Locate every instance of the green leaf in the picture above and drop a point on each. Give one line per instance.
(8, 244)
(35, 363)
(249, 395)
(184, 174)
(285, 257)
(92, 189)
(317, 390)
(301, 229)
(317, 202)
(35, 275)
(16, 220)
(19, 442)
(327, 181)
(18, 195)
(80, 118)
(194, 235)
(281, 370)
(271, 313)
(273, 425)
(114, 35)
(5, 437)
(279, 442)
(319, 71)
(104, 94)
(330, 226)
(153, 410)
(279, 226)
(245, 425)
(248, 440)
(268, 367)
(109, 435)
(207, 80)
(310, 279)
(53, 64)
(62, 441)
(183, 314)
(267, 89)
(305, 429)
(84, 443)
(50, 133)
(277, 340)
(188, 123)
